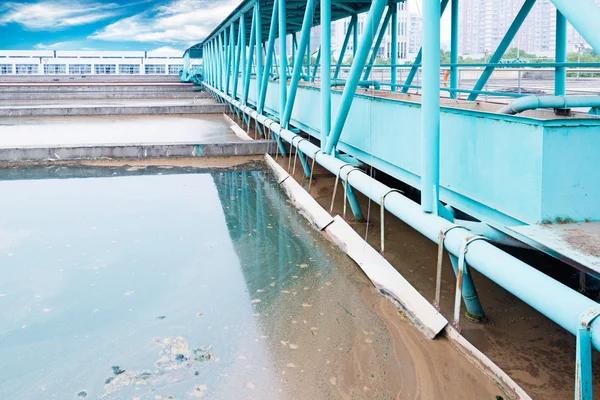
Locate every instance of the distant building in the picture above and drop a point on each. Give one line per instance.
(339, 29)
(414, 33)
(59, 62)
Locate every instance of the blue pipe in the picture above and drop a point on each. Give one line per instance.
(394, 49)
(269, 60)
(250, 59)
(373, 19)
(454, 48)
(282, 58)
(535, 102)
(259, 51)
(430, 109)
(548, 296)
(342, 82)
(325, 71)
(560, 73)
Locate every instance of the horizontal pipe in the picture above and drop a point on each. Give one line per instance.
(342, 82)
(551, 298)
(535, 102)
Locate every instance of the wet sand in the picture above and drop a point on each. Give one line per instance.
(535, 352)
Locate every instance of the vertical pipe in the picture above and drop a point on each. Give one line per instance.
(294, 49)
(560, 73)
(308, 57)
(230, 57)
(454, 49)
(238, 56)
(259, 52)
(366, 41)
(220, 60)
(243, 45)
(394, 55)
(250, 59)
(325, 70)
(269, 58)
(317, 63)
(282, 57)
(351, 28)
(355, 38)
(502, 47)
(297, 70)
(430, 108)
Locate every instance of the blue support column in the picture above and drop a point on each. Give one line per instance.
(259, 52)
(317, 63)
(220, 60)
(230, 58)
(325, 70)
(430, 108)
(454, 49)
(250, 59)
(394, 47)
(560, 73)
(351, 28)
(243, 56)
(236, 68)
(502, 47)
(584, 389)
(282, 58)
(469, 293)
(355, 40)
(373, 20)
(382, 29)
(297, 70)
(418, 59)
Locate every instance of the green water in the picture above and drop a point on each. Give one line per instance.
(122, 284)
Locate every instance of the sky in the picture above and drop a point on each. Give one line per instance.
(168, 25)
(109, 25)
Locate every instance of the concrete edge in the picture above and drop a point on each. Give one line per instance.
(381, 273)
(239, 132)
(133, 151)
(87, 110)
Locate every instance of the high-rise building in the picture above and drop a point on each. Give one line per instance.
(414, 33)
(485, 22)
(339, 29)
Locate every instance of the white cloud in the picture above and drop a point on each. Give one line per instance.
(57, 15)
(181, 21)
(169, 50)
(69, 45)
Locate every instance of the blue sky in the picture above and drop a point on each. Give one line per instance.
(108, 25)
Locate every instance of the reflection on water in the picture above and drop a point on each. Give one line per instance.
(150, 283)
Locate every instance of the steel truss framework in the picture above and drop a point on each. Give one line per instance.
(242, 67)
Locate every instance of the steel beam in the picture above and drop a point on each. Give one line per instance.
(351, 27)
(375, 49)
(259, 52)
(394, 47)
(502, 47)
(250, 59)
(282, 58)
(584, 15)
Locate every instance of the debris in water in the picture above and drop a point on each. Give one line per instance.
(303, 265)
(306, 305)
(128, 293)
(251, 385)
(256, 300)
(180, 357)
(199, 390)
(291, 365)
(82, 394)
(161, 317)
(332, 380)
(2, 294)
(117, 370)
(293, 346)
(46, 310)
(44, 388)
(201, 314)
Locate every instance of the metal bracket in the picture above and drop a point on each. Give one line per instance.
(382, 209)
(583, 362)
(291, 148)
(312, 168)
(462, 252)
(296, 154)
(337, 178)
(440, 262)
(346, 188)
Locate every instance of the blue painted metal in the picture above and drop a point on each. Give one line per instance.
(503, 46)
(375, 14)
(282, 58)
(325, 49)
(375, 50)
(560, 74)
(394, 49)
(454, 48)
(250, 60)
(557, 102)
(259, 43)
(430, 113)
(297, 70)
(584, 15)
(317, 64)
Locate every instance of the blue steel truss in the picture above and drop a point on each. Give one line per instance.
(507, 166)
